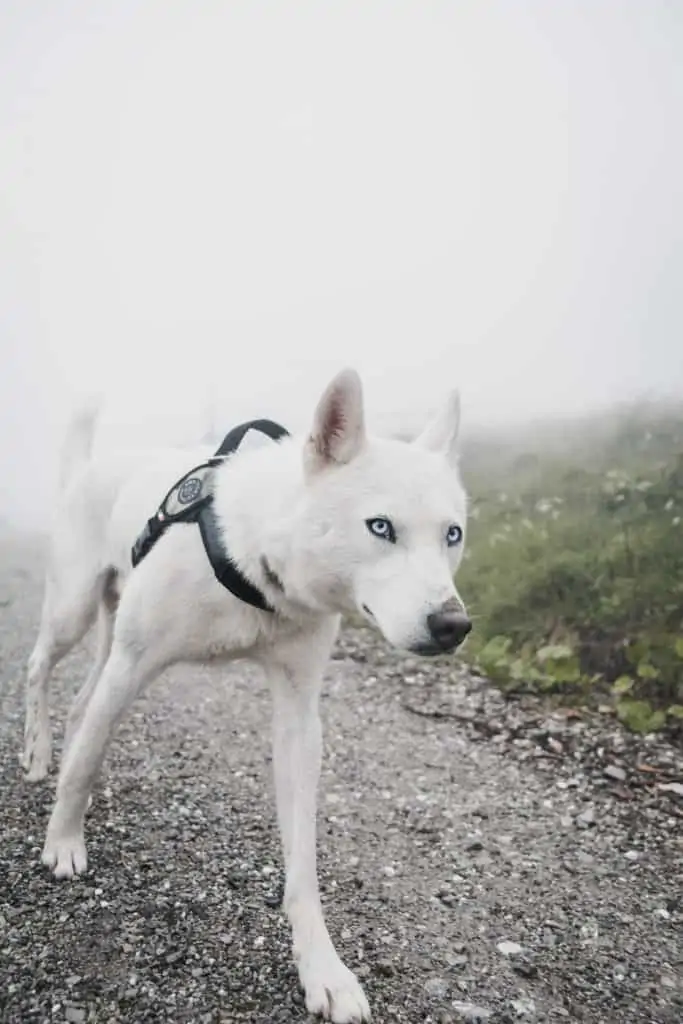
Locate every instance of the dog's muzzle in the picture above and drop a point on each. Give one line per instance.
(448, 628)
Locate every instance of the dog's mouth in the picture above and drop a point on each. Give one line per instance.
(430, 650)
(425, 649)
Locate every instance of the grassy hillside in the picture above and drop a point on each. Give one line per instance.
(574, 566)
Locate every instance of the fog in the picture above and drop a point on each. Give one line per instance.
(207, 208)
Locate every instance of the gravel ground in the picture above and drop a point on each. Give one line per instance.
(481, 859)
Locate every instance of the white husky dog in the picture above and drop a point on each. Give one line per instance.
(325, 524)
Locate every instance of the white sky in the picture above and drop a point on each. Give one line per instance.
(225, 202)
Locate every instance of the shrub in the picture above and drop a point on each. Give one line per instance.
(574, 565)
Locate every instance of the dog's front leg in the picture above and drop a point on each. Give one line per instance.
(331, 988)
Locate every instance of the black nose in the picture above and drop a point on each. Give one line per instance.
(448, 628)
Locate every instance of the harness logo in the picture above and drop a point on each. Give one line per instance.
(189, 490)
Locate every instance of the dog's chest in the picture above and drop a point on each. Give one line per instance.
(230, 629)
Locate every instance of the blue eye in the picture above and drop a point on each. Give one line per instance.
(382, 528)
(453, 536)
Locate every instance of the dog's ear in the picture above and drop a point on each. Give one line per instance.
(338, 432)
(441, 433)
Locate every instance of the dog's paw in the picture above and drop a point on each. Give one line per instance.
(332, 990)
(36, 758)
(65, 855)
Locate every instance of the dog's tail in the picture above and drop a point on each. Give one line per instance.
(78, 439)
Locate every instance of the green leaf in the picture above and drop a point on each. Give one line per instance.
(556, 652)
(568, 671)
(638, 716)
(635, 652)
(624, 684)
(518, 669)
(678, 646)
(647, 671)
(675, 710)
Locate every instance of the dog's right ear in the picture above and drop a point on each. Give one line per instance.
(338, 432)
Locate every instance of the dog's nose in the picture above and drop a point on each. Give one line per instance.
(448, 628)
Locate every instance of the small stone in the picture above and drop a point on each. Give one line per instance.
(619, 972)
(385, 968)
(524, 966)
(632, 855)
(662, 913)
(524, 1007)
(471, 1013)
(436, 988)
(671, 787)
(509, 948)
(74, 1014)
(586, 818)
(613, 771)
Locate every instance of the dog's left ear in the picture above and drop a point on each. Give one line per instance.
(338, 432)
(441, 433)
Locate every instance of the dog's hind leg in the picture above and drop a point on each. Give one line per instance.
(105, 632)
(63, 624)
(123, 678)
(295, 673)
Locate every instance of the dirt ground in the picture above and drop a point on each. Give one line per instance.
(481, 859)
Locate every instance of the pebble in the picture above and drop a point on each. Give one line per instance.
(524, 1007)
(385, 968)
(525, 967)
(589, 932)
(471, 1013)
(436, 988)
(613, 771)
(671, 787)
(619, 972)
(509, 948)
(586, 818)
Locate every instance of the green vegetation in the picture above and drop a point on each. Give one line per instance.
(574, 566)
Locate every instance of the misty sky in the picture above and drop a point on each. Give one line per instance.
(210, 204)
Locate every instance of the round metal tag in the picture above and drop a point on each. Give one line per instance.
(189, 490)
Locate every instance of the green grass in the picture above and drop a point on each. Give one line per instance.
(574, 564)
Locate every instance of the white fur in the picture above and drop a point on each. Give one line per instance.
(303, 505)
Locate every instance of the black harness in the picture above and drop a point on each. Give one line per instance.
(190, 500)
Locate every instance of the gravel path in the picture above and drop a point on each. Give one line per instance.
(481, 860)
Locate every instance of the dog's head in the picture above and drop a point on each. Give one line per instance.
(385, 522)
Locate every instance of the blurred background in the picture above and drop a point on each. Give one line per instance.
(208, 208)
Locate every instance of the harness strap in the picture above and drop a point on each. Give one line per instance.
(234, 438)
(190, 500)
(225, 570)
